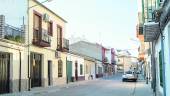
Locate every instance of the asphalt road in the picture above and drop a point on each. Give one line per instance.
(112, 86)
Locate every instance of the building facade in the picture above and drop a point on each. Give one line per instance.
(75, 67)
(93, 53)
(156, 32)
(13, 57)
(33, 49)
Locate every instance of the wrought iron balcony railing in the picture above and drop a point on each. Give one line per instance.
(63, 45)
(41, 38)
(13, 33)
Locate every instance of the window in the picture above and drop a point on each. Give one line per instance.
(81, 69)
(60, 68)
(50, 28)
(160, 68)
(37, 26)
(59, 36)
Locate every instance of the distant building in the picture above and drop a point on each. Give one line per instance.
(93, 57)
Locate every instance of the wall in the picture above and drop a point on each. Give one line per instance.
(13, 48)
(48, 52)
(79, 60)
(167, 56)
(157, 50)
(90, 68)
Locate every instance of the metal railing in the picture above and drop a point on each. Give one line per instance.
(65, 43)
(44, 36)
(41, 35)
(13, 33)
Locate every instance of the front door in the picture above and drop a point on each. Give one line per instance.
(69, 71)
(36, 60)
(4, 72)
(49, 72)
(76, 71)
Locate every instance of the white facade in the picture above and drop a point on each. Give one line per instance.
(166, 60)
(80, 61)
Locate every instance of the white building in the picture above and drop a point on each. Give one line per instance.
(75, 67)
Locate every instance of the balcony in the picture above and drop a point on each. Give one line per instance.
(41, 38)
(63, 45)
(13, 34)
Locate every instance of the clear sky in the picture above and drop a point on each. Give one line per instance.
(110, 22)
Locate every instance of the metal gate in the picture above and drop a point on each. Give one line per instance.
(4, 72)
(36, 60)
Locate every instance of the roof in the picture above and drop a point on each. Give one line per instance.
(87, 49)
(50, 10)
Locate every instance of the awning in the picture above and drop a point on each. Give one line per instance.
(151, 31)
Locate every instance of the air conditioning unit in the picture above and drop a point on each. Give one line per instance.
(46, 17)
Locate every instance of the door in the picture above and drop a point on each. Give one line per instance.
(36, 60)
(49, 72)
(69, 71)
(4, 72)
(76, 71)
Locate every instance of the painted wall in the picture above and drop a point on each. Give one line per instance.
(167, 56)
(90, 69)
(80, 61)
(48, 52)
(157, 50)
(14, 49)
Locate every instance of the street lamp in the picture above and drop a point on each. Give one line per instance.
(28, 9)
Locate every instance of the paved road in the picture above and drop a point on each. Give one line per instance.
(102, 87)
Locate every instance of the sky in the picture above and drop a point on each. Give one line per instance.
(111, 23)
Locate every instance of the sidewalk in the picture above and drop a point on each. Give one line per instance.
(142, 89)
(37, 91)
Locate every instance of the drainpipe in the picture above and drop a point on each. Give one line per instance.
(29, 79)
(163, 61)
(19, 71)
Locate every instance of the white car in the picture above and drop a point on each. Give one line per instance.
(129, 75)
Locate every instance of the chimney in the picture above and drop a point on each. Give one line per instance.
(2, 26)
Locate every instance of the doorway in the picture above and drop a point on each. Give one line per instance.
(4, 72)
(76, 71)
(49, 72)
(69, 71)
(36, 62)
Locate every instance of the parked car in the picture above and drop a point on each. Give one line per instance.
(129, 75)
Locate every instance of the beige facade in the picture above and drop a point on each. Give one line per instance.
(17, 64)
(38, 58)
(48, 53)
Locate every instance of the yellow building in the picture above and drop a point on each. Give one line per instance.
(47, 47)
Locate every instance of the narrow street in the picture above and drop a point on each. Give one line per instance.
(112, 86)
